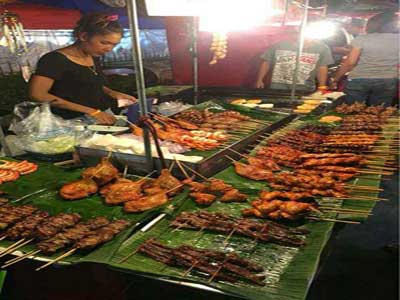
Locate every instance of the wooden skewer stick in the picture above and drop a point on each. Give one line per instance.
(180, 226)
(182, 168)
(125, 171)
(225, 242)
(174, 188)
(322, 207)
(325, 210)
(172, 165)
(129, 255)
(195, 172)
(12, 246)
(332, 220)
(70, 252)
(363, 198)
(242, 155)
(3, 237)
(145, 177)
(191, 268)
(16, 247)
(362, 187)
(218, 269)
(230, 158)
(20, 258)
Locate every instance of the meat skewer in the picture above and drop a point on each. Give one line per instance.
(226, 224)
(228, 267)
(94, 239)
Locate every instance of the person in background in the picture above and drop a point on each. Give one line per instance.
(71, 77)
(280, 60)
(373, 63)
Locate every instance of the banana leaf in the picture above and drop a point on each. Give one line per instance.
(2, 279)
(52, 178)
(289, 270)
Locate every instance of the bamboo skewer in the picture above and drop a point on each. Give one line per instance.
(195, 172)
(225, 242)
(70, 252)
(190, 269)
(12, 246)
(182, 169)
(129, 255)
(172, 165)
(242, 155)
(218, 269)
(362, 187)
(332, 220)
(16, 247)
(20, 258)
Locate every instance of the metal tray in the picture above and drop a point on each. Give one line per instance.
(209, 166)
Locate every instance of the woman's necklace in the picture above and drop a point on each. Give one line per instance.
(93, 69)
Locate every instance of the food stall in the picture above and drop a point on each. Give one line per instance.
(250, 218)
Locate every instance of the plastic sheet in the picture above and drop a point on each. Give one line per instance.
(38, 130)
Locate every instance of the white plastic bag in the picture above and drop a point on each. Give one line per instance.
(40, 131)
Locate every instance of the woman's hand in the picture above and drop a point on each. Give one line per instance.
(259, 84)
(124, 99)
(104, 118)
(333, 84)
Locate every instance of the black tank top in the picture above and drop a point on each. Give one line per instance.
(75, 83)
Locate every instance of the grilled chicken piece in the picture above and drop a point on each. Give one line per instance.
(233, 195)
(78, 189)
(152, 190)
(195, 186)
(252, 172)
(203, 198)
(102, 173)
(146, 202)
(250, 212)
(218, 185)
(263, 163)
(295, 208)
(266, 207)
(275, 215)
(167, 182)
(122, 191)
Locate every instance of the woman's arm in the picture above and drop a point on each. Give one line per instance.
(118, 95)
(39, 88)
(322, 76)
(348, 64)
(262, 72)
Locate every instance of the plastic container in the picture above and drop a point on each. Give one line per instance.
(133, 112)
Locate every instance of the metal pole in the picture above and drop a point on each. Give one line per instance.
(299, 51)
(140, 83)
(195, 57)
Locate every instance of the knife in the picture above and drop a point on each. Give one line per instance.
(167, 211)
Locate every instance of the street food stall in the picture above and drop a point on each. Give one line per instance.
(237, 194)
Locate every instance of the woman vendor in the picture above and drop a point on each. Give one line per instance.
(72, 76)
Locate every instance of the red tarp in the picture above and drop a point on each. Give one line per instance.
(241, 64)
(34, 16)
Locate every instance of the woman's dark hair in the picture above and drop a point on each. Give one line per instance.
(98, 23)
(385, 22)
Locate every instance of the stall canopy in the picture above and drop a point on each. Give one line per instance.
(98, 6)
(38, 16)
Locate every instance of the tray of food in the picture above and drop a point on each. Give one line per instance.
(199, 136)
